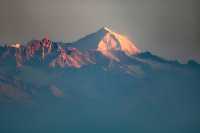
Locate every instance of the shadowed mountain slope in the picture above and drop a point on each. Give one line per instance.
(100, 83)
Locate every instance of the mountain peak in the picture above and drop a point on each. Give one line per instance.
(107, 29)
(107, 42)
(113, 41)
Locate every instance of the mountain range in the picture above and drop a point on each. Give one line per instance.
(100, 83)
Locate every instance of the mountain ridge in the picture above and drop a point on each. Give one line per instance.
(95, 85)
(103, 41)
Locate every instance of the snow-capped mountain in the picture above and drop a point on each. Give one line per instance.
(100, 83)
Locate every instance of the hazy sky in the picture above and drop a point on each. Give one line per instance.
(169, 28)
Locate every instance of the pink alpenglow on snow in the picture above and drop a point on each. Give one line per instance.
(113, 41)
